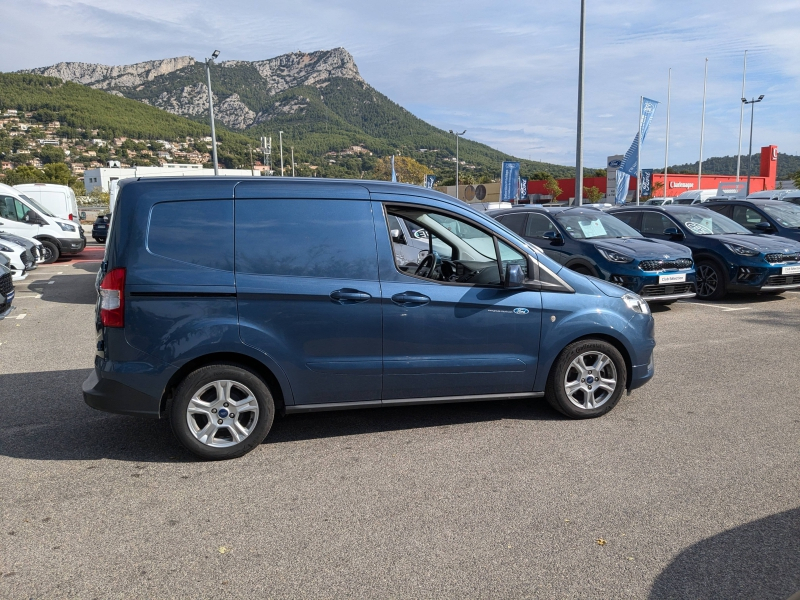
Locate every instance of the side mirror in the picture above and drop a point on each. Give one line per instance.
(674, 233)
(764, 227)
(397, 236)
(27, 217)
(514, 277)
(553, 236)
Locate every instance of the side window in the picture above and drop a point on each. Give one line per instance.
(538, 225)
(654, 223)
(21, 210)
(198, 232)
(306, 238)
(7, 208)
(462, 253)
(747, 216)
(629, 218)
(515, 222)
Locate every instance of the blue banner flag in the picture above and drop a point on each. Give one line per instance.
(523, 188)
(509, 181)
(623, 180)
(429, 180)
(394, 175)
(629, 163)
(647, 177)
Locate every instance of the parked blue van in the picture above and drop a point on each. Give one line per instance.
(223, 302)
(592, 242)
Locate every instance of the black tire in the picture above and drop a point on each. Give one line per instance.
(582, 270)
(51, 252)
(710, 280)
(194, 382)
(101, 240)
(556, 393)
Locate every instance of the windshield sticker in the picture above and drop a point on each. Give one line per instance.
(593, 228)
(697, 228)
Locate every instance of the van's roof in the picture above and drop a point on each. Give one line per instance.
(34, 186)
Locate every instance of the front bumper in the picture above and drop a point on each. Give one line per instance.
(760, 279)
(71, 245)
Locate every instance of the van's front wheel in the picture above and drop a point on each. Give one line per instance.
(51, 252)
(587, 379)
(221, 411)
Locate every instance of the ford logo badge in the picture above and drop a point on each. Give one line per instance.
(521, 311)
(614, 163)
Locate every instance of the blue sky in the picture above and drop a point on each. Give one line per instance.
(505, 72)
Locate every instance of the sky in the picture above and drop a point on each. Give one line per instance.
(507, 73)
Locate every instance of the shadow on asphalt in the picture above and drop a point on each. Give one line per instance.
(72, 289)
(760, 559)
(55, 424)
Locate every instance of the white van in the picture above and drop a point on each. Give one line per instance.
(696, 196)
(58, 199)
(768, 195)
(24, 216)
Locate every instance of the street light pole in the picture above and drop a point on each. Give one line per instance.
(455, 133)
(666, 144)
(209, 62)
(579, 141)
(741, 117)
(292, 161)
(280, 137)
(702, 130)
(752, 104)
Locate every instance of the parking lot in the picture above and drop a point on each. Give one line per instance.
(687, 489)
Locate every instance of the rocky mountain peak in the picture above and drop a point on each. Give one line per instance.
(105, 76)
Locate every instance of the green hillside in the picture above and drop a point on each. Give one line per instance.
(726, 165)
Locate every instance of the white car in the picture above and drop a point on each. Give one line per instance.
(23, 216)
(20, 259)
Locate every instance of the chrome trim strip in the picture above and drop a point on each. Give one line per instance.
(305, 408)
(671, 297)
(769, 288)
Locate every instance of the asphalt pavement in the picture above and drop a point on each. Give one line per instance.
(689, 488)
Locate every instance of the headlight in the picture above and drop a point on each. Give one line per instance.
(742, 250)
(67, 227)
(615, 256)
(5, 248)
(636, 304)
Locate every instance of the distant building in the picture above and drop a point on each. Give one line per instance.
(101, 178)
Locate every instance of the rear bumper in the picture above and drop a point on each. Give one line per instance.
(113, 396)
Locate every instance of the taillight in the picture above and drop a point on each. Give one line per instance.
(71, 218)
(112, 299)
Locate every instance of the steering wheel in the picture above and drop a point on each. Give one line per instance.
(429, 265)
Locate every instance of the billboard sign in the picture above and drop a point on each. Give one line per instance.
(509, 181)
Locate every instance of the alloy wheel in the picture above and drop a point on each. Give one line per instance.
(707, 281)
(590, 380)
(222, 413)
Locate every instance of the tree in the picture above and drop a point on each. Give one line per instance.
(24, 174)
(592, 194)
(552, 187)
(57, 173)
(796, 178)
(51, 154)
(600, 173)
(408, 170)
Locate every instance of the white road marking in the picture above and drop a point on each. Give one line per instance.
(20, 317)
(51, 282)
(722, 308)
(37, 296)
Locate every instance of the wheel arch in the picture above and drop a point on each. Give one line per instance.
(618, 344)
(231, 358)
(582, 262)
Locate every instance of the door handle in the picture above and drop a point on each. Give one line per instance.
(410, 299)
(348, 296)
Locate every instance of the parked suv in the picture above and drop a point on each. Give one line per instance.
(100, 228)
(762, 216)
(728, 257)
(592, 242)
(278, 311)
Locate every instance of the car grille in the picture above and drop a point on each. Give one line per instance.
(665, 265)
(666, 290)
(27, 259)
(777, 257)
(783, 280)
(6, 285)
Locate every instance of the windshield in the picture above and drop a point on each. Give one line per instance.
(787, 216)
(707, 222)
(37, 206)
(582, 226)
(683, 201)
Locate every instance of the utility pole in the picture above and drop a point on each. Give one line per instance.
(752, 104)
(280, 137)
(666, 145)
(741, 117)
(209, 62)
(458, 135)
(579, 142)
(292, 161)
(639, 154)
(702, 130)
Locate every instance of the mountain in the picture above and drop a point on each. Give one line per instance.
(726, 165)
(319, 100)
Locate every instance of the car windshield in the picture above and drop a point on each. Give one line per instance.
(683, 200)
(582, 226)
(37, 206)
(787, 216)
(706, 222)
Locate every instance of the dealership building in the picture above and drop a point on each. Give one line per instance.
(675, 184)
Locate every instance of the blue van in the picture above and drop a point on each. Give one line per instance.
(591, 242)
(223, 302)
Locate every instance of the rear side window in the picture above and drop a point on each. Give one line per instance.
(198, 232)
(306, 238)
(515, 223)
(655, 223)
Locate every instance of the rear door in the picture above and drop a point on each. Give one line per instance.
(307, 287)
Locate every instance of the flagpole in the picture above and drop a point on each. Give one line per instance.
(579, 144)
(702, 130)
(741, 116)
(666, 145)
(639, 153)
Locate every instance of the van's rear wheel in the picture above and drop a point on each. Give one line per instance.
(587, 379)
(221, 411)
(51, 252)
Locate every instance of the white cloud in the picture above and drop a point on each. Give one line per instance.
(506, 73)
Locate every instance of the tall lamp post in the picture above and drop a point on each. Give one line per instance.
(209, 62)
(458, 135)
(280, 137)
(752, 104)
(579, 142)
